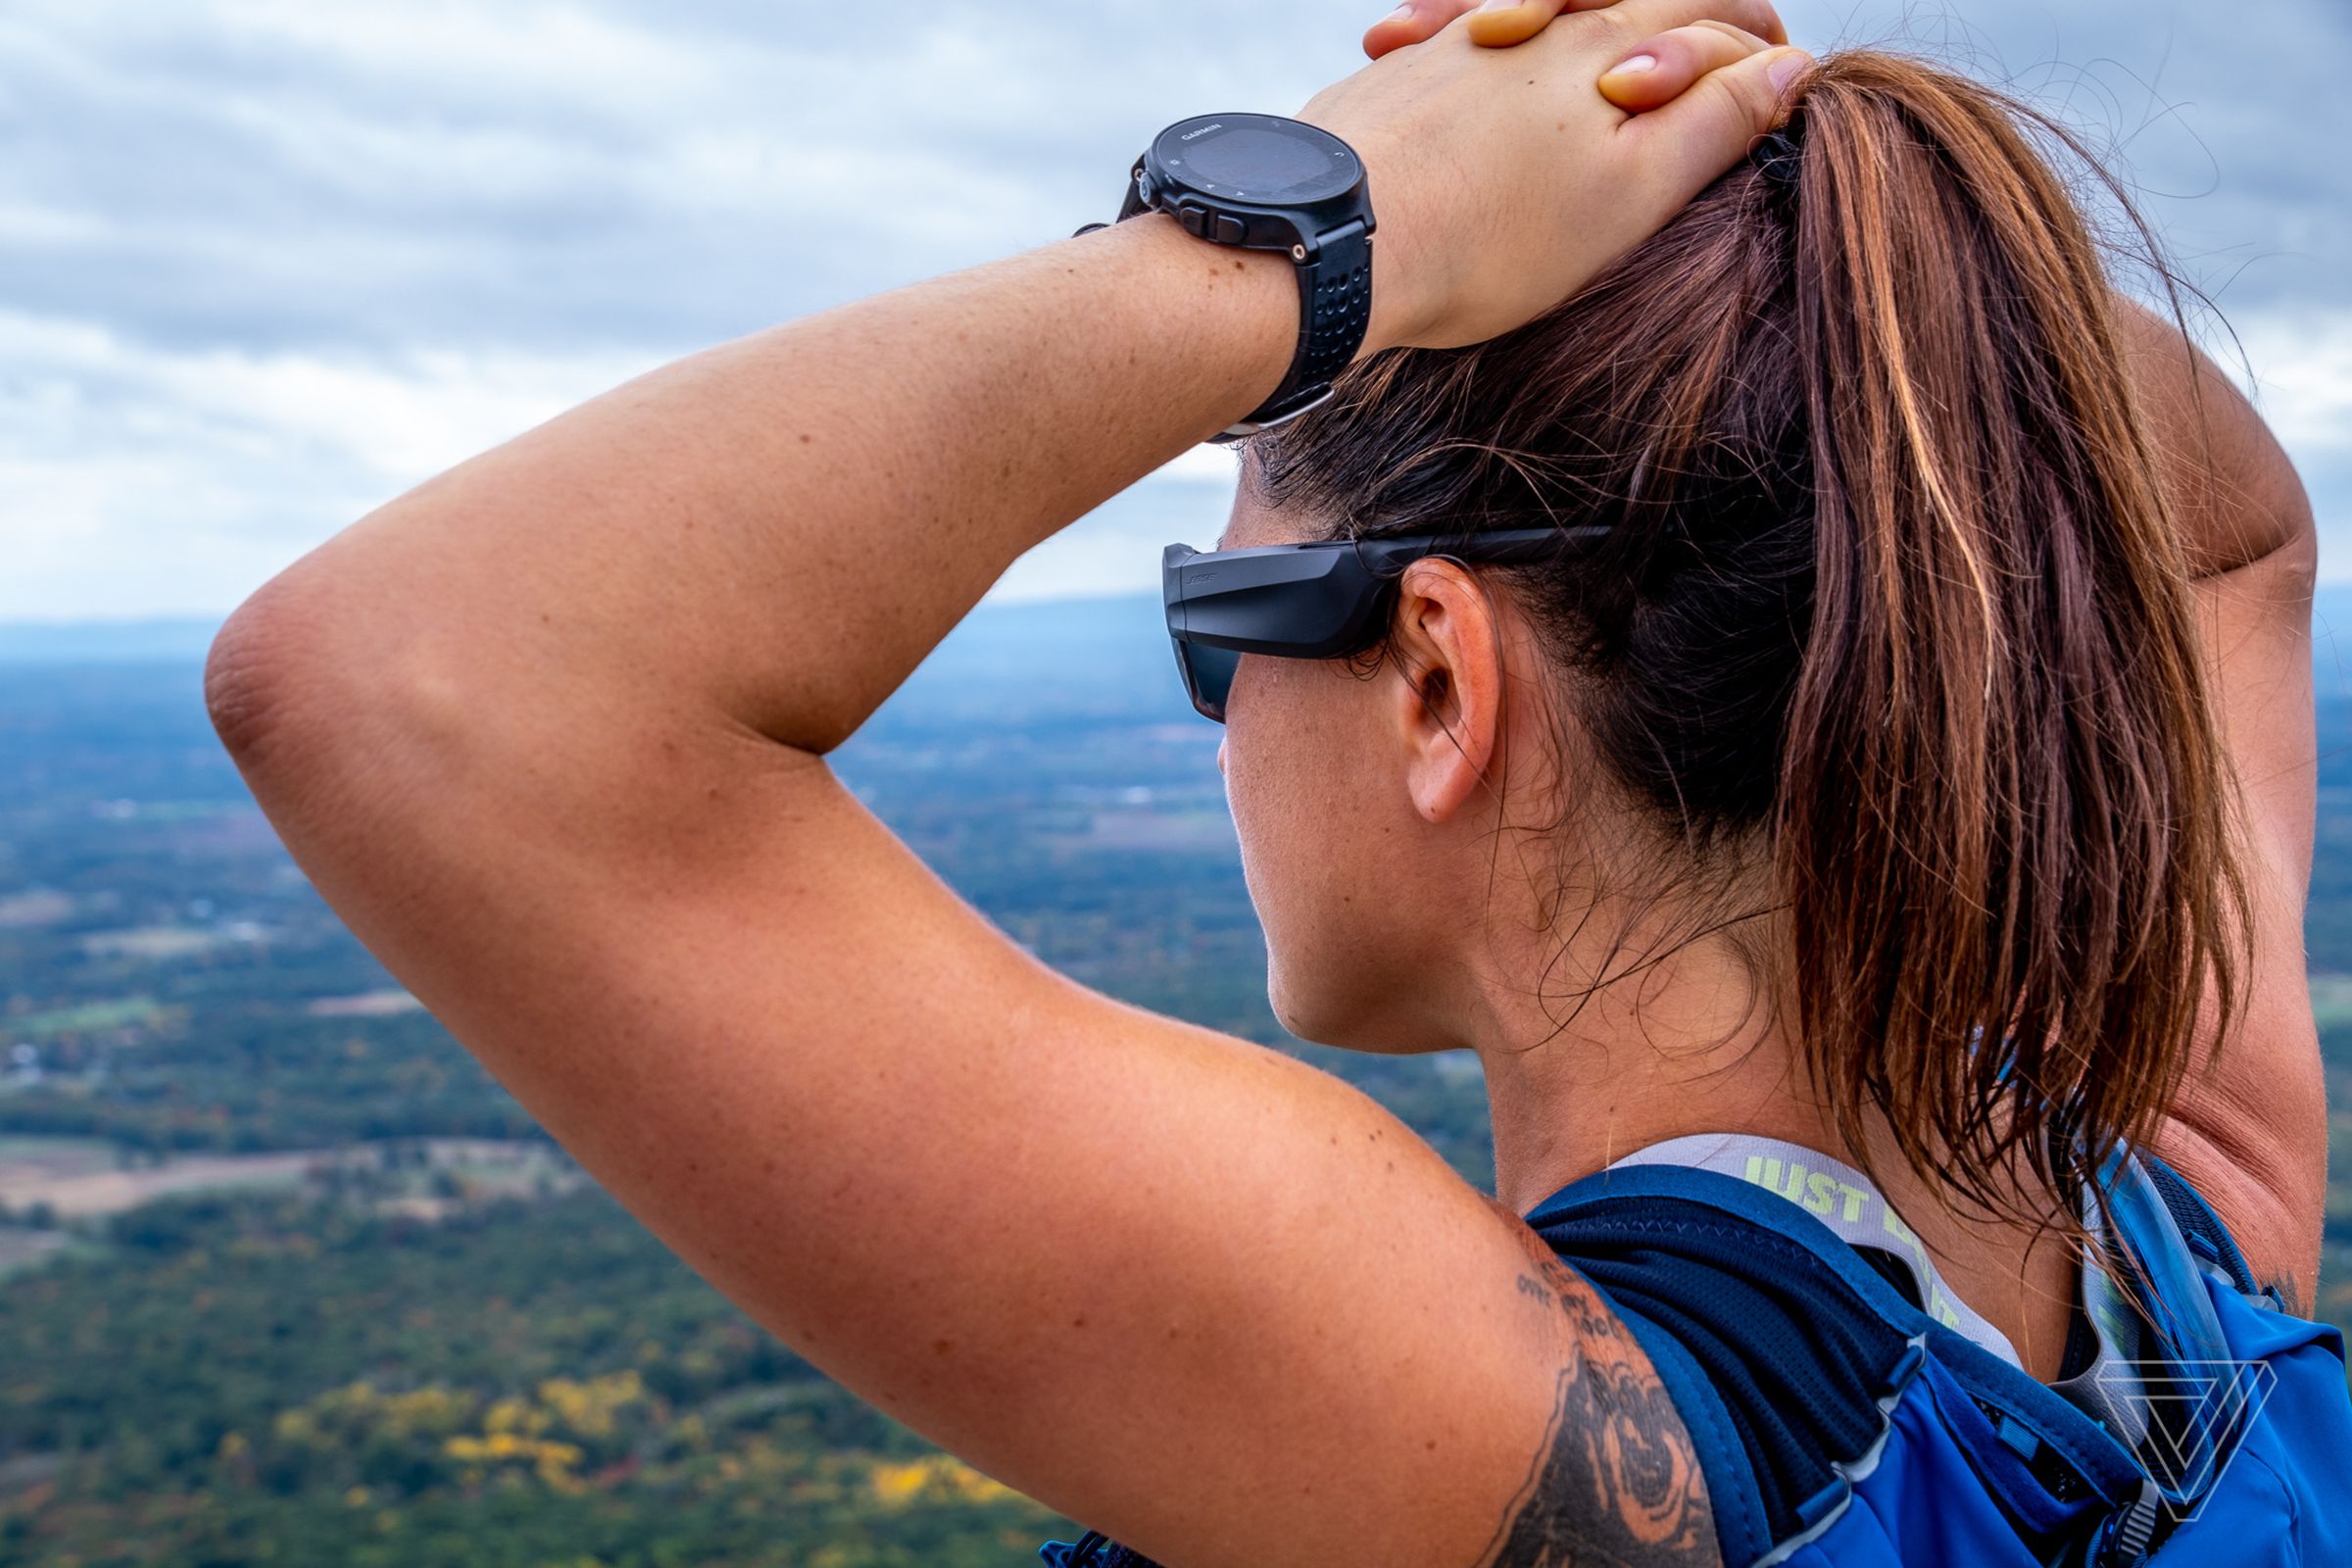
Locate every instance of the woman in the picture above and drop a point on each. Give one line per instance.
(1882, 720)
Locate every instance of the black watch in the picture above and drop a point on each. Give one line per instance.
(1266, 183)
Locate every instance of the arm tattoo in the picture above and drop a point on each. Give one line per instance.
(1616, 1480)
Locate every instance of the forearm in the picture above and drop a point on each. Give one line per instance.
(782, 528)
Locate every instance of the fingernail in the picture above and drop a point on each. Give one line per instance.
(1786, 68)
(1634, 67)
(1400, 13)
(1500, 5)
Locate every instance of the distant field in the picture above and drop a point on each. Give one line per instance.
(41, 906)
(82, 1178)
(152, 942)
(385, 1003)
(21, 1247)
(127, 1012)
(2331, 1000)
(24, 1155)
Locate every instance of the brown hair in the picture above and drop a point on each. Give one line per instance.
(1893, 608)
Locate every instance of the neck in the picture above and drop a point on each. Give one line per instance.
(1682, 1046)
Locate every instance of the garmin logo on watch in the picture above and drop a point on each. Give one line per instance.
(1203, 131)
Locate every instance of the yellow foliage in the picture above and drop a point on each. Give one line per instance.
(551, 1461)
(514, 1415)
(899, 1482)
(556, 1460)
(940, 1477)
(493, 1444)
(588, 1408)
(970, 1484)
(358, 1409)
(427, 1409)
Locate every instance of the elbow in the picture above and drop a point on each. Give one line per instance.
(355, 705)
(308, 679)
(253, 670)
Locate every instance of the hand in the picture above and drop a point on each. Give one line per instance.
(1504, 178)
(1655, 71)
(1495, 27)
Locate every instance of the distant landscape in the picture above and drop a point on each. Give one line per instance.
(284, 1277)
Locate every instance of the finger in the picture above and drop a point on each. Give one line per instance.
(1645, 18)
(1419, 21)
(1414, 21)
(1662, 68)
(1712, 124)
(1501, 24)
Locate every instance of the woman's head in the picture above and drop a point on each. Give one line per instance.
(1885, 679)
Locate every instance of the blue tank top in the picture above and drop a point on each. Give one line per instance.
(1841, 1424)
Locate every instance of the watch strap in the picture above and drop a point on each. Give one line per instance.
(1335, 311)
(1334, 308)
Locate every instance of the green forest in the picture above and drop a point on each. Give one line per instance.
(285, 1278)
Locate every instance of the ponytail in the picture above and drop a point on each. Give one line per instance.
(2001, 814)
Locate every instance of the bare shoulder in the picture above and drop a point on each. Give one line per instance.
(1616, 1479)
(2249, 1129)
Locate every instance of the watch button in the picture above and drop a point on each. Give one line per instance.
(1190, 216)
(1229, 230)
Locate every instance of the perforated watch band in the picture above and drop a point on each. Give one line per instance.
(1335, 307)
(1335, 310)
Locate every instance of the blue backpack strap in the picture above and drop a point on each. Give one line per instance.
(1785, 1354)
(2207, 1237)
(1094, 1550)
(2185, 1400)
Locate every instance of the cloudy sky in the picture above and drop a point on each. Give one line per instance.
(268, 262)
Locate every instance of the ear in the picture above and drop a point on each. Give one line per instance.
(1447, 697)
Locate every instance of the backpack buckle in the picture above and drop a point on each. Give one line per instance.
(2130, 1535)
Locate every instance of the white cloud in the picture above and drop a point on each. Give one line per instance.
(2303, 379)
(270, 262)
(220, 466)
(155, 481)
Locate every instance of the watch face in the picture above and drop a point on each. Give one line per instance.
(1259, 158)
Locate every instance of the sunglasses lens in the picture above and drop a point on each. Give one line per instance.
(1208, 675)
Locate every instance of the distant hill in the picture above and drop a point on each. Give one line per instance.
(2332, 639)
(996, 641)
(1106, 642)
(107, 642)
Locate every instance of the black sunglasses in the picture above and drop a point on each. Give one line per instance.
(1324, 600)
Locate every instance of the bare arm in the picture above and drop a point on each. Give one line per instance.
(2251, 1127)
(548, 732)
